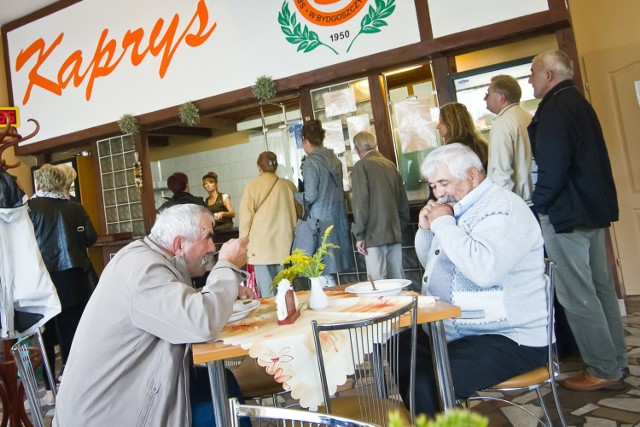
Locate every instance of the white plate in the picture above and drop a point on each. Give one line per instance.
(385, 287)
(242, 308)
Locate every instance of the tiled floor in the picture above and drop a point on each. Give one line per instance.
(594, 409)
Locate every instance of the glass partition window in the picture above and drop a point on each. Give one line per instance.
(121, 200)
(344, 110)
(413, 111)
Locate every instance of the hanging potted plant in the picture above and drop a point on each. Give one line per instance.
(189, 114)
(264, 90)
(128, 124)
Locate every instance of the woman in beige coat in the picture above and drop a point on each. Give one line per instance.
(268, 217)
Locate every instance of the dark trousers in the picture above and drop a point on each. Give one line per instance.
(60, 330)
(200, 394)
(476, 362)
(74, 289)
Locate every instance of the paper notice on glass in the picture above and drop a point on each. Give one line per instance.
(339, 102)
(416, 128)
(333, 137)
(357, 124)
(346, 182)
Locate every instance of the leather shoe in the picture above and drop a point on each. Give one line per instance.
(625, 372)
(584, 381)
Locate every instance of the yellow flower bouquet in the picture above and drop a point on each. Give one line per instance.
(302, 264)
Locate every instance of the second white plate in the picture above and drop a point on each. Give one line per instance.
(384, 287)
(242, 308)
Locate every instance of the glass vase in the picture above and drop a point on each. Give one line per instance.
(317, 298)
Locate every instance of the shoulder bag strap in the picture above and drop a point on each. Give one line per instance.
(267, 196)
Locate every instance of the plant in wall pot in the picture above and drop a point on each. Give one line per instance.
(189, 114)
(128, 124)
(302, 264)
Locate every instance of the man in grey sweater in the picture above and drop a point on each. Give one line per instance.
(481, 250)
(380, 209)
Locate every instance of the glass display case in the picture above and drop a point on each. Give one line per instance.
(471, 86)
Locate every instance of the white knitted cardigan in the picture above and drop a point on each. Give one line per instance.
(490, 263)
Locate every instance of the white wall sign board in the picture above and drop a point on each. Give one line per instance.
(447, 18)
(91, 62)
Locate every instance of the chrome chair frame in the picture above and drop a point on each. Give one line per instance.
(265, 388)
(289, 417)
(382, 361)
(552, 367)
(20, 353)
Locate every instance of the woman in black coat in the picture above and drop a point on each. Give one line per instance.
(63, 231)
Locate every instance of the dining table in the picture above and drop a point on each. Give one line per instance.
(287, 351)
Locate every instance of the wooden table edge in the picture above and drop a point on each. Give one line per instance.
(217, 350)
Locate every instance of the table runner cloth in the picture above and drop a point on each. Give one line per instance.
(287, 351)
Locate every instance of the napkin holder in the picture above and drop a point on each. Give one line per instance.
(292, 312)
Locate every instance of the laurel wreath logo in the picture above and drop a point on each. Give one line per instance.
(296, 34)
(374, 19)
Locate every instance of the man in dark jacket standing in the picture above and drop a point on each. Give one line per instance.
(380, 209)
(575, 197)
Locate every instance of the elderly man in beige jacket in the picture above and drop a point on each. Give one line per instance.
(510, 159)
(268, 217)
(129, 362)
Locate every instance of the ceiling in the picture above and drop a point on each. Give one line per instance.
(10, 10)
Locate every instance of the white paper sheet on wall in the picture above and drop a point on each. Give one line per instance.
(415, 125)
(333, 137)
(357, 124)
(339, 102)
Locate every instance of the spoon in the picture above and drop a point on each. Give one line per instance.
(373, 285)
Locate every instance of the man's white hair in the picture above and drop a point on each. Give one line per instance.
(458, 158)
(179, 220)
(557, 62)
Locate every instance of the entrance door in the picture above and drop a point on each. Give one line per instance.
(613, 78)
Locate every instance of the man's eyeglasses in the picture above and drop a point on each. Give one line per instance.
(487, 94)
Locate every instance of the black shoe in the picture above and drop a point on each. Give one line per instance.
(625, 372)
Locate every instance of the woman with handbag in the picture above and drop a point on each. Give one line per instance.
(63, 231)
(268, 217)
(323, 201)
